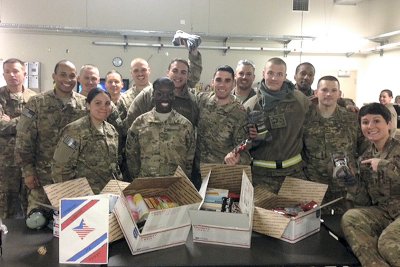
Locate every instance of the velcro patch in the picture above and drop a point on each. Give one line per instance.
(70, 142)
(28, 113)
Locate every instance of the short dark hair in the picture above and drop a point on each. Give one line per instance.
(225, 68)
(375, 109)
(94, 92)
(14, 60)
(163, 82)
(64, 61)
(113, 71)
(277, 61)
(389, 92)
(328, 78)
(184, 61)
(304, 64)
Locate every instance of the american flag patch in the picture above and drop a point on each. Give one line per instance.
(71, 142)
(28, 113)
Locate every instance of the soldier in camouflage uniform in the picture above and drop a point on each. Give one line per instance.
(162, 139)
(38, 129)
(13, 98)
(373, 230)
(329, 130)
(221, 121)
(284, 111)
(89, 78)
(88, 147)
(140, 72)
(184, 74)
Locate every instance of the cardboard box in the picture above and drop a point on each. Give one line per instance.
(292, 192)
(163, 228)
(79, 188)
(222, 228)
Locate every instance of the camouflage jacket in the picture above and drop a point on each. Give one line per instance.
(381, 188)
(38, 130)
(126, 100)
(326, 136)
(12, 106)
(220, 129)
(156, 148)
(84, 151)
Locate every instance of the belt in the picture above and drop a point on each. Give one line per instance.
(278, 164)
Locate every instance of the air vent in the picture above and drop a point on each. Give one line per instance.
(300, 5)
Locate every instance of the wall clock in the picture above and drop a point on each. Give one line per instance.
(117, 62)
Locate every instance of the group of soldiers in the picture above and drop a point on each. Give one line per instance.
(155, 127)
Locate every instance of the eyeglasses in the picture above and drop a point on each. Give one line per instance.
(272, 74)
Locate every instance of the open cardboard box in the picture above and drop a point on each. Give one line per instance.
(79, 188)
(292, 192)
(163, 228)
(222, 228)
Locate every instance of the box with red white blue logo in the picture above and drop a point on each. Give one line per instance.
(82, 224)
(163, 228)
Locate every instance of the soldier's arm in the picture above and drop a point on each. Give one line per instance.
(115, 119)
(8, 126)
(140, 105)
(27, 131)
(132, 152)
(65, 159)
(195, 68)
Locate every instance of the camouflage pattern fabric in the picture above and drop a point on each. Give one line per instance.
(374, 232)
(38, 133)
(84, 151)
(285, 123)
(156, 148)
(126, 100)
(324, 137)
(12, 189)
(220, 129)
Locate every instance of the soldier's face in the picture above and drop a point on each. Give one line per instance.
(89, 79)
(178, 73)
(140, 72)
(65, 78)
(163, 99)
(223, 83)
(328, 93)
(114, 84)
(274, 76)
(14, 74)
(304, 77)
(375, 128)
(244, 77)
(384, 98)
(100, 107)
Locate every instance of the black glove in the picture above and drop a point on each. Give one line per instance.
(190, 40)
(341, 170)
(256, 118)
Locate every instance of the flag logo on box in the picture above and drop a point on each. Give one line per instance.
(84, 230)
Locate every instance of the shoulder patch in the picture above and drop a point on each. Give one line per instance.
(70, 142)
(28, 113)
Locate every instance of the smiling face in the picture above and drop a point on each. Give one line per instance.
(65, 78)
(163, 98)
(375, 128)
(384, 98)
(99, 108)
(223, 84)
(89, 78)
(244, 76)
(178, 72)
(114, 84)
(140, 72)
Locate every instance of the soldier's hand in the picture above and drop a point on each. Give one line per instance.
(352, 108)
(232, 158)
(373, 163)
(252, 131)
(5, 117)
(31, 182)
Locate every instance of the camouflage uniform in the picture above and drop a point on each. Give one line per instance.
(324, 137)
(285, 123)
(184, 104)
(12, 190)
(373, 231)
(84, 151)
(220, 130)
(38, 133)
(156, 148)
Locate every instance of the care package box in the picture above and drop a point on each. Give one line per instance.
(292, 192)
(225, 228)
(163, 228)
(79, 188)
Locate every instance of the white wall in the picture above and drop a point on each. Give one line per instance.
(223, 17)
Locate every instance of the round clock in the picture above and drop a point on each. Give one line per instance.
(117, 61)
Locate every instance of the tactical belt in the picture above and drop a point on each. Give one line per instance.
(279, 164)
